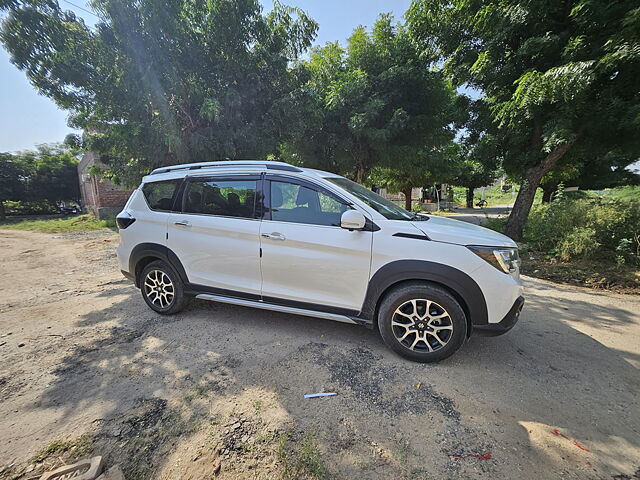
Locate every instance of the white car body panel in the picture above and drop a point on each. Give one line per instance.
(217, 251)
(150, 226)
(442, 229)
(315, 263)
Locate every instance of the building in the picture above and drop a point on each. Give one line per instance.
(99, 195)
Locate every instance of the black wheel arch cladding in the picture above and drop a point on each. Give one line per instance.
(461, 285)
(153, 251)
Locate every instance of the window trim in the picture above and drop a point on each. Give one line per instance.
(257, 208)
(176, 193)
(303, 183)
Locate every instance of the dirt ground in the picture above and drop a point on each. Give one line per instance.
(87, 368)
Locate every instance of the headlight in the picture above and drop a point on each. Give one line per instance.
(505, 259)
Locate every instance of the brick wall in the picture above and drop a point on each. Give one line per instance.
(99, 195)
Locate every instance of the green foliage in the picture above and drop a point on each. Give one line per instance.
(561, 83)
(38, 179)
(11, 174)
(301, 459)
(80, 223)
(579, 242)
(50, 174)
(623, 194)
(160, 83)
(493, 196)
(78, 447)
(376, 107)
(30, 208)
(582, 227)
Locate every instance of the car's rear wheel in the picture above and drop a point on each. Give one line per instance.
(422, 322)
(162, 288)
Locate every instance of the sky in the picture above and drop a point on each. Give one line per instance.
(28, 118)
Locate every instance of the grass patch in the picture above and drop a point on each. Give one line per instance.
(627, 193)
(301, 459)
(493, 195)
(78, 447)
(258, 406)
(80, 223)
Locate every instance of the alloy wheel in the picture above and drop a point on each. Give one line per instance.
(158, 288)
(422, 325)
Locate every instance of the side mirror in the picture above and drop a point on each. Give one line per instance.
(352, 220)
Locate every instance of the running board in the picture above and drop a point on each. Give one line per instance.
(282, 308)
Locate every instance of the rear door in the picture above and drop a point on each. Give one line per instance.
(216, 235)
(306, 256)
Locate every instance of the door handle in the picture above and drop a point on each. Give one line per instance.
(183, 223)
(274, 236)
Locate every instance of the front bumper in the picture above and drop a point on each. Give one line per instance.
(506, 324)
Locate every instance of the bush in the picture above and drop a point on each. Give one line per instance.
(580, 227)
(30, 208)
(578, 243)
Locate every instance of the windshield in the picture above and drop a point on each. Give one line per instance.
(385, 207)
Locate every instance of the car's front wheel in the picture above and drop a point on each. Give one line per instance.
(422, 322)
(162, 288)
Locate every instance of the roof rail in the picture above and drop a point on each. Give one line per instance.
(228, 163)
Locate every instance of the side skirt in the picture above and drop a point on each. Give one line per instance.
(284, 309)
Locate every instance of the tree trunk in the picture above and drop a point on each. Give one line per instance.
(469, 197)
(524, 200)
(3, 215)
(548, 189)
(407, 199)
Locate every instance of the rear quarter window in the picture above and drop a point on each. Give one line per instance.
(159, 195)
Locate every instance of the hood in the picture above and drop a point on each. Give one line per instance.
(443, 229)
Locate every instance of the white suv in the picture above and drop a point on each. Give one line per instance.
(278, 237)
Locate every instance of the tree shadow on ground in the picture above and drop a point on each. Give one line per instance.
(149, 380)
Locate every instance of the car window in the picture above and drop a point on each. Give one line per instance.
(159, 195)
(228, 198)
(385, 207)
(295, 203)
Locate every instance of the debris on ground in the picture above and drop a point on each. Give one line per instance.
(316, 395)
(87, 469)
(484, 456)
(216, 466)
(557, 433)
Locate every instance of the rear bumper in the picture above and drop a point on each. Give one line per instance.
(506, 324)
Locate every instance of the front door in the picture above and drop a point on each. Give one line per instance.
(306, 256)
(217, 234)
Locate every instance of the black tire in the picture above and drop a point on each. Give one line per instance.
(445, 311)
(166, 304)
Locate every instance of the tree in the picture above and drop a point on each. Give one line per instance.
(378, 103)
(560, 78)
(157, 83)
(420, 168)
(50, 174)
(478, 151)
(46, 176)
(477, 166)
(11, 184)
